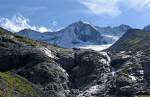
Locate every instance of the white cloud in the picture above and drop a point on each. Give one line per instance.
(102, 7)
(113, 8)
(18, 23)
(138, 5)
(43, 29)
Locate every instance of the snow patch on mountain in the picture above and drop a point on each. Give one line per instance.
(18, 23)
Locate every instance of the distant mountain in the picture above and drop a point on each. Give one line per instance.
(114, 31)
(32, 34)
(147, 28)
(78, 34)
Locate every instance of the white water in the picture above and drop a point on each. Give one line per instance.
(133, 77)
(47, 52)
(91, 90)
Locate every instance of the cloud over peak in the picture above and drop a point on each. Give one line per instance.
(138, 5)
(18, 22)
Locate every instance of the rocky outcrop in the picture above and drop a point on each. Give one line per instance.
(131, 53)
(129, 75)
(42, 70)
(56, 72)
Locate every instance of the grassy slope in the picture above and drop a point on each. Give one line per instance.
(18, 38)
(134, 39)
(11, 81)
(144, 96)
(14, 83)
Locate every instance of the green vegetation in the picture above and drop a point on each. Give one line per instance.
(134, 40)
(2, 31)
(14, 84)
(19, 38)
(139, 39)
(26, 41)
(144, 96)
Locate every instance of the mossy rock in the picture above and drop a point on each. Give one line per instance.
(17, 37)
(26, 41)
(2, 31)
(12, 85)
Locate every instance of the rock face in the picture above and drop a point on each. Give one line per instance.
(14, 55)
(42, 70)
(129, 74)
(132, 52)
(54, 71)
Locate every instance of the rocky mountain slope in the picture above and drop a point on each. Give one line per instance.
(36, 69)
(133, 40)
(131, 52)
(78, 34)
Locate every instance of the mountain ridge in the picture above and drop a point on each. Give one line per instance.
(128, 40)
(78, 34)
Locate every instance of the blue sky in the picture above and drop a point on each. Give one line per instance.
(55, 14)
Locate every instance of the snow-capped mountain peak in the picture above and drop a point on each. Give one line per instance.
(79, 23)
(79, 35)
(83, 31)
